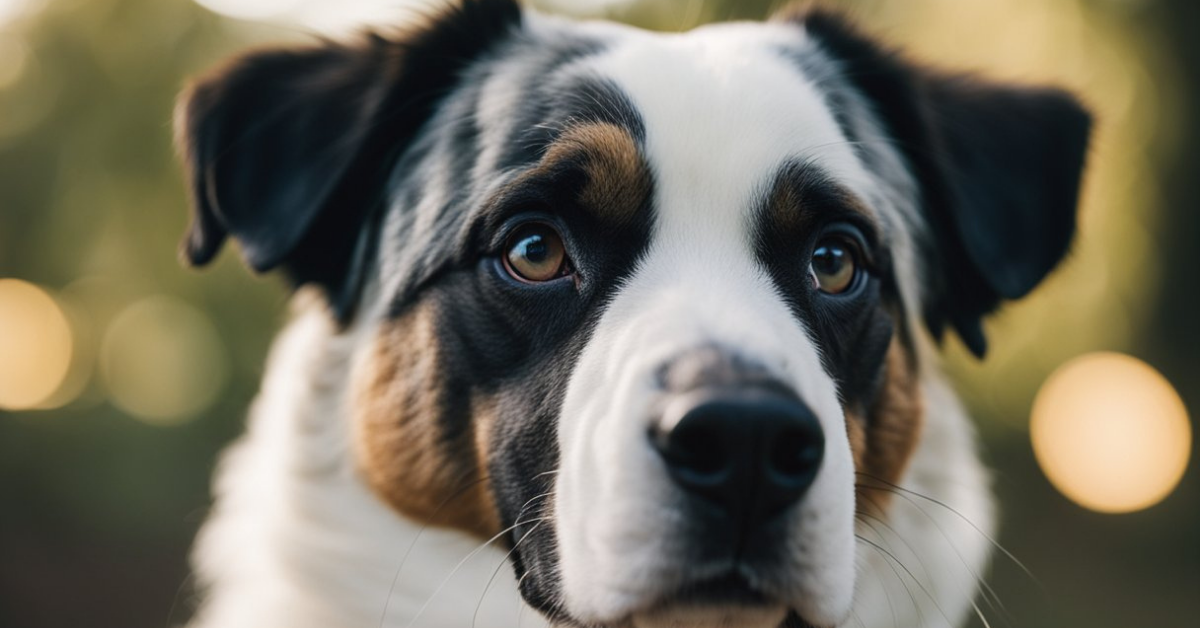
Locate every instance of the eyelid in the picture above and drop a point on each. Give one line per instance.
(519, 219)
(854, 235)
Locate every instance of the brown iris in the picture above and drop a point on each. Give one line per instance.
(833, 266)
(535, 253)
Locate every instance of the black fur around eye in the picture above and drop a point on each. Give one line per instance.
(535, 253)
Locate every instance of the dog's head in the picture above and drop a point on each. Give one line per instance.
(642, 305)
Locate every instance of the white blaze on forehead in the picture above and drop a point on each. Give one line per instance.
(723, 111)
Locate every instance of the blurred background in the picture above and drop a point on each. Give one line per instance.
(122, 374)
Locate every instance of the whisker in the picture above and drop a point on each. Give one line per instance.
(985, 535)
(889, 528)
(428, 520)
(545, 473)
(989, 594)
(475, 617)
(887, 594)
(979, 614)
(521, 603)
(531, 500)
(910, 575)
(908, 591)
(462, 562)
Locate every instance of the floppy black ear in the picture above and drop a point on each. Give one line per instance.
(999, 169)
(289, 151)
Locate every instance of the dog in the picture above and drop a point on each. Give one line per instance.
(601, 327)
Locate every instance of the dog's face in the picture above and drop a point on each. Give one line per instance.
(647, 307)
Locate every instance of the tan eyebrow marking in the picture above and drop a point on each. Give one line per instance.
(618, 178)
(797, 188)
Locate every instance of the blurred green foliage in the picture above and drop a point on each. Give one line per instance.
(97, 509)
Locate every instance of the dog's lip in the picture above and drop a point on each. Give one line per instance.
(709, 616)
(722, 595)
(731, 588)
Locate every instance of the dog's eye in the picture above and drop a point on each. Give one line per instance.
(535, 253)
(834, 265)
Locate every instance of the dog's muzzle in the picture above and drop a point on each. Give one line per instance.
(726, 480)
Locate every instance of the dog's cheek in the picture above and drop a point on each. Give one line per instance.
(411, 459)
(883, 441)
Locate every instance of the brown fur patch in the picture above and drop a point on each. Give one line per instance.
(402, 450)
(618, 179)
(801, 192)
(883, 442)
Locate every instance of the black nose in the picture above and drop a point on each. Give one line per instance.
(751, 452)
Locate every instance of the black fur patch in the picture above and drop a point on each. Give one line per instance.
(851, 330)
(451, 145)
(998, 166)
(572, 99)
(289, 150)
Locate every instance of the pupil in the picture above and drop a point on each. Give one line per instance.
(828, 260)
(535, 249)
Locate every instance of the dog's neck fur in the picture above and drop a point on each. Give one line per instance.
(296, 539)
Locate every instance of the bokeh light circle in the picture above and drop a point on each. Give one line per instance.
(1111, 433)
(35, 345)
(163, 361)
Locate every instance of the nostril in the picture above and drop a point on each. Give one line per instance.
(697, 450)
(795, 455)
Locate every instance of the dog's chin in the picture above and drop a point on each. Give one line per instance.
(690, 615)
(726, 602)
